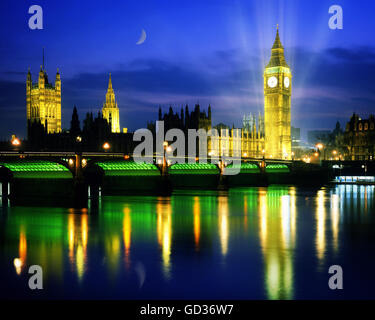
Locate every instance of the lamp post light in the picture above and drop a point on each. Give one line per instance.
(16, 143)
(320, 147)
(106, 146)
(364, 166)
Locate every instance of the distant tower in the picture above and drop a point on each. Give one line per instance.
(110, 109)
(277, 100)
(75, 128)
(43, 101)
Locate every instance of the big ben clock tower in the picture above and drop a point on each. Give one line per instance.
(277, 95)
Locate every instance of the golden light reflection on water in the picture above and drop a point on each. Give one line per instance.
(223, 223)
(320, 241)
(213, 224)
(263, 219)
(335, 219)
(164, 233)
(71, 237)
(277, 225)
(293, 214)
(77, 240)
(20, 262)
(197, 222)
(127, 231)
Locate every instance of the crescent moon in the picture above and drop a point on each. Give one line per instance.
(142, 37)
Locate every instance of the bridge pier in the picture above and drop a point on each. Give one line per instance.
(165, 185)
(263, 175)
(4, 199)
(165, 181)
(4, 189)
(80, 186)
(223, 179)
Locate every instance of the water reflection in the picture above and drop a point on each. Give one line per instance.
(127, 231)
(197, 222)
(277, 225)
(320, 240)
(223, 223)
(266, 230)
(335, 220)
(164, 231)
(78, 238)
(20, 262)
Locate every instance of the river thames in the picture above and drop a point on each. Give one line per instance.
(276, 242)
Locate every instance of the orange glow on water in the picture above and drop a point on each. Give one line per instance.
(197, 223)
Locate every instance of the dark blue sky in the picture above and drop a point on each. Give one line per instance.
(207, 51)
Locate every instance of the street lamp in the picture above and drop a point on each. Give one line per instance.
(106, 146)
(16, 142)
(320, 147)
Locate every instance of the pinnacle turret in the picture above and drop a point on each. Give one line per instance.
(277, 55)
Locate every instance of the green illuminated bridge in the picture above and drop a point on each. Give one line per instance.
(90, 175)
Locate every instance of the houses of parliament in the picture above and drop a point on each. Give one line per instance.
(43, 103)
(267, 135)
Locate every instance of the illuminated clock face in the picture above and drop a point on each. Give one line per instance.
(272, 82)
(286, 82)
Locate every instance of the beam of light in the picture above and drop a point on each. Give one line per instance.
(127, 230)
(197, 222)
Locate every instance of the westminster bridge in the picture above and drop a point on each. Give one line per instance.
(78, 177)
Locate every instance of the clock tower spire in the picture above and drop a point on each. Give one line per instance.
(277, 103)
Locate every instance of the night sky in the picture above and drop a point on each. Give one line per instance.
(207, 51)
